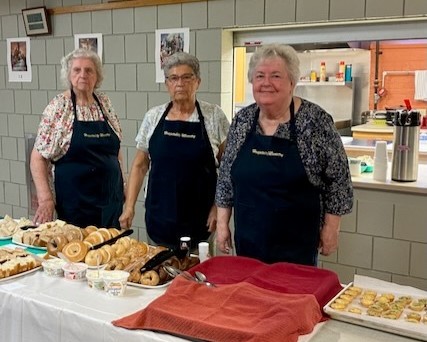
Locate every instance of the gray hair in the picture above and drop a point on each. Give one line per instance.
(182, 58)
(67, 61)
(285, 52)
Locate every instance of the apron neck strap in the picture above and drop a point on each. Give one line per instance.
(74, 101)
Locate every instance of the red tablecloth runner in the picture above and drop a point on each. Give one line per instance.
(233, 312)
(253, 302)
(280, 277)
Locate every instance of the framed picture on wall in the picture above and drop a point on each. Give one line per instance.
(18, 60)
(168, 42)
(36, 21)
(90, 41)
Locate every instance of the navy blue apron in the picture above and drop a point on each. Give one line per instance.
(181, 184)
(88, 178)
(276, 208)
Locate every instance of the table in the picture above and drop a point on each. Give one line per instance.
(39, 308)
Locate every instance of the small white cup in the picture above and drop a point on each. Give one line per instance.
(380, 150)
(203, 251)
(355, 166)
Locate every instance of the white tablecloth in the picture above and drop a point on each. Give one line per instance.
(38, 308)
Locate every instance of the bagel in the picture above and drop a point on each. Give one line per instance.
(93, 258)
(106, 256)
(150, 278)
(105, 233)
(110, 250)
(95, 238)
(75, 250)
(90, 229)
(56, 244)
(119, 249)
(125, 241)
(114, 232)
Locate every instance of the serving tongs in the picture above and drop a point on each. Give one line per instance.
(161, 257)
(112, 240)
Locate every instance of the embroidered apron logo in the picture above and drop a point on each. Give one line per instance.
(180, 135)
(267, 153)
(97, 135)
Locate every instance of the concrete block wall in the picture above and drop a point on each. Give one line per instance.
(384, 237)
(129, 46)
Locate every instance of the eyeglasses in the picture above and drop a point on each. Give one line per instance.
(186, 78)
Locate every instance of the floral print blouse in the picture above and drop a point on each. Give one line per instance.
(56, 126)
(320, 147)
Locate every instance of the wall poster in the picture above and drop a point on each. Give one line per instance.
(90, 41)
(18, 59)
(168, 42)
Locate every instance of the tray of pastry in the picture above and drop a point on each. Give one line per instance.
(393, 312)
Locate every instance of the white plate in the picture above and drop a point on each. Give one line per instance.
(29, 246)
(5, 237)
(149, 286)
(21, 274)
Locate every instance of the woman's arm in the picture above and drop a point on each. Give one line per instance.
(40, 172)
(329, 234)
(139, 169)
(223, 234)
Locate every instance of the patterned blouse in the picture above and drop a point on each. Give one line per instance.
(216, 124)
(56, 127)
(320, 147)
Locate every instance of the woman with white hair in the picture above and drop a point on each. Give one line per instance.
(284, 170)
(80, 135)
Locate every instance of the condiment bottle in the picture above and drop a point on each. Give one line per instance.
(322, 76)
(341, 71)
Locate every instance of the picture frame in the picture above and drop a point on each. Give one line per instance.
(168, 42)
(19, 60)
(91, 41)
(36, 21)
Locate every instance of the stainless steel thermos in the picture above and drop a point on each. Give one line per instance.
(406, 142)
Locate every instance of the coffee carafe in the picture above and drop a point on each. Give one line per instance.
(406, 142)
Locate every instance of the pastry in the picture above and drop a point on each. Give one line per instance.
(75, 250)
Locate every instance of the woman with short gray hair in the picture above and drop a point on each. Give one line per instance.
(80, 135)
(181, 142)
(284, 170)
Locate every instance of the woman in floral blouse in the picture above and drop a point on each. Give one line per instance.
(80, 135)
(284, 170)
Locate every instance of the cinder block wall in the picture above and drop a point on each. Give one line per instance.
(129, 42)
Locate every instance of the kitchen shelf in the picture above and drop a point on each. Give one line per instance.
(324, 84)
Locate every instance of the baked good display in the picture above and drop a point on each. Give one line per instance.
(9, 226)
(16, 261)
(382, 310)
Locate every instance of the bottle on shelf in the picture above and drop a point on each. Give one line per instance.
(341, 71)
(322, 76)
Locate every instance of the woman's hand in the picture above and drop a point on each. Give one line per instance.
(211, 222)
(126, 218)
(329, 234)
(44, 211)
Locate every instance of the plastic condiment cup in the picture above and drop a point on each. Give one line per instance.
(75, 271)
(53, 267)
(115, 282)
(95, 279)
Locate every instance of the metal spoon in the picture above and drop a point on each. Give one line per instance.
(174, 272)
(201, 277)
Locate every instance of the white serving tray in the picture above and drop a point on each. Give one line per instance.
(399, 326)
